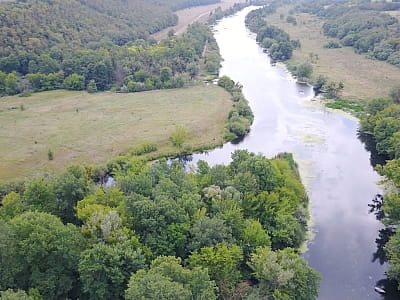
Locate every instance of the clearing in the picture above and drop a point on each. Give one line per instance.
(362, 77)
(194, 14)
(92, 128)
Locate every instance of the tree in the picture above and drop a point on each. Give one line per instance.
(222, 262)
(208, 232)
(74, 82)
(395, 94)
(179, 136)
(39, 196)
(9, 264)
(11, 84)
(15, 295)
(193, 70)
(69, 188)
(303, 71)
(47, 253)
(91, 87)
(167, 279)
(105, 269)
(393, 249)
(254, 236)
(284, 272)
(165, 74)
(12, 205)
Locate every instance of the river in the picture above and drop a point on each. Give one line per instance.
(334, 164)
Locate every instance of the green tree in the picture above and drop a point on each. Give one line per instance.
(91, 87)
(105, 269)
(179, 136)
(165, 74)
(208, 232)
(39, 196)
(304, 71)
(12, 205)
(395, 94)
(74, 82)
(11, 84)
(9, 264)
(47, 253)
(15, 295)
(167, 279)
(284, 272)
(393, 249)
(222, 262)
(69, 188)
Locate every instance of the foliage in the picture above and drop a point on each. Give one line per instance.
(105, 270)
(284, 273)
(272, 38)
(240, 117)
(179, 136)
(346, 104)
(144, 148)
(46, 254)
(212, 218)
(167, 279)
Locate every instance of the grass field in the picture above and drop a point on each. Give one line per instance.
(362, 77)
(92, 128)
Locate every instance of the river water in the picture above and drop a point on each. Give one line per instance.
(334, 165)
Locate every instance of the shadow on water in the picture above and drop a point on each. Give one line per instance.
(370, 146)
(380, 255)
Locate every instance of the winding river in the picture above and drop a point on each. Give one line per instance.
(334, 164)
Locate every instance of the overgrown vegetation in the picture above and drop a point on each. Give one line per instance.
(160, 233)
(272, 38)
(240, 117)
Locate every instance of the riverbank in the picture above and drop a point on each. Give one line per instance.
(82, 128)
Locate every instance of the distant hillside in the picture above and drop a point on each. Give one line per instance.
(36, 25)
(181, 4)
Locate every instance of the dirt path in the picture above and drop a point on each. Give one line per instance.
(190, 15)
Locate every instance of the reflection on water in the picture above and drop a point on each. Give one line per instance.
(334, 165)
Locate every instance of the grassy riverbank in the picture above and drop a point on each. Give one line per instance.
(92, 128)
(363, 78)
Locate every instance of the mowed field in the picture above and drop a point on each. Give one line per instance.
(362, 77)
(92, 128)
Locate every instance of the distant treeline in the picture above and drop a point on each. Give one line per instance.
(368, 31)
(136, 66)
(275, 40)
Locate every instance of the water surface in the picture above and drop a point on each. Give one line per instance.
(335, 166)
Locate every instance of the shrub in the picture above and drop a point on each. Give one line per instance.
(144, 148)
(179, 136)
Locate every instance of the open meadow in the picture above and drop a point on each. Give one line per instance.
(92, 128)
(362, 77)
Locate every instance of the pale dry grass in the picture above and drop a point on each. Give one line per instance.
(93, 128)
(362, 77)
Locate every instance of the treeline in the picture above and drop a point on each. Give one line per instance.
(240, 117)
(382, 121)
(374, 33)
(224, 232)
(276, 41)
(36, 26)
(136, 66)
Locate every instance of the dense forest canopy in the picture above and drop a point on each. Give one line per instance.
(160, 232)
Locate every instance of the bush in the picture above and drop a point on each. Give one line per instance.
(332, 45)
(144, 148)
(74, 82)
(178, 137)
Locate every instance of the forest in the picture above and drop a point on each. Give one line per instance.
(227, 232)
